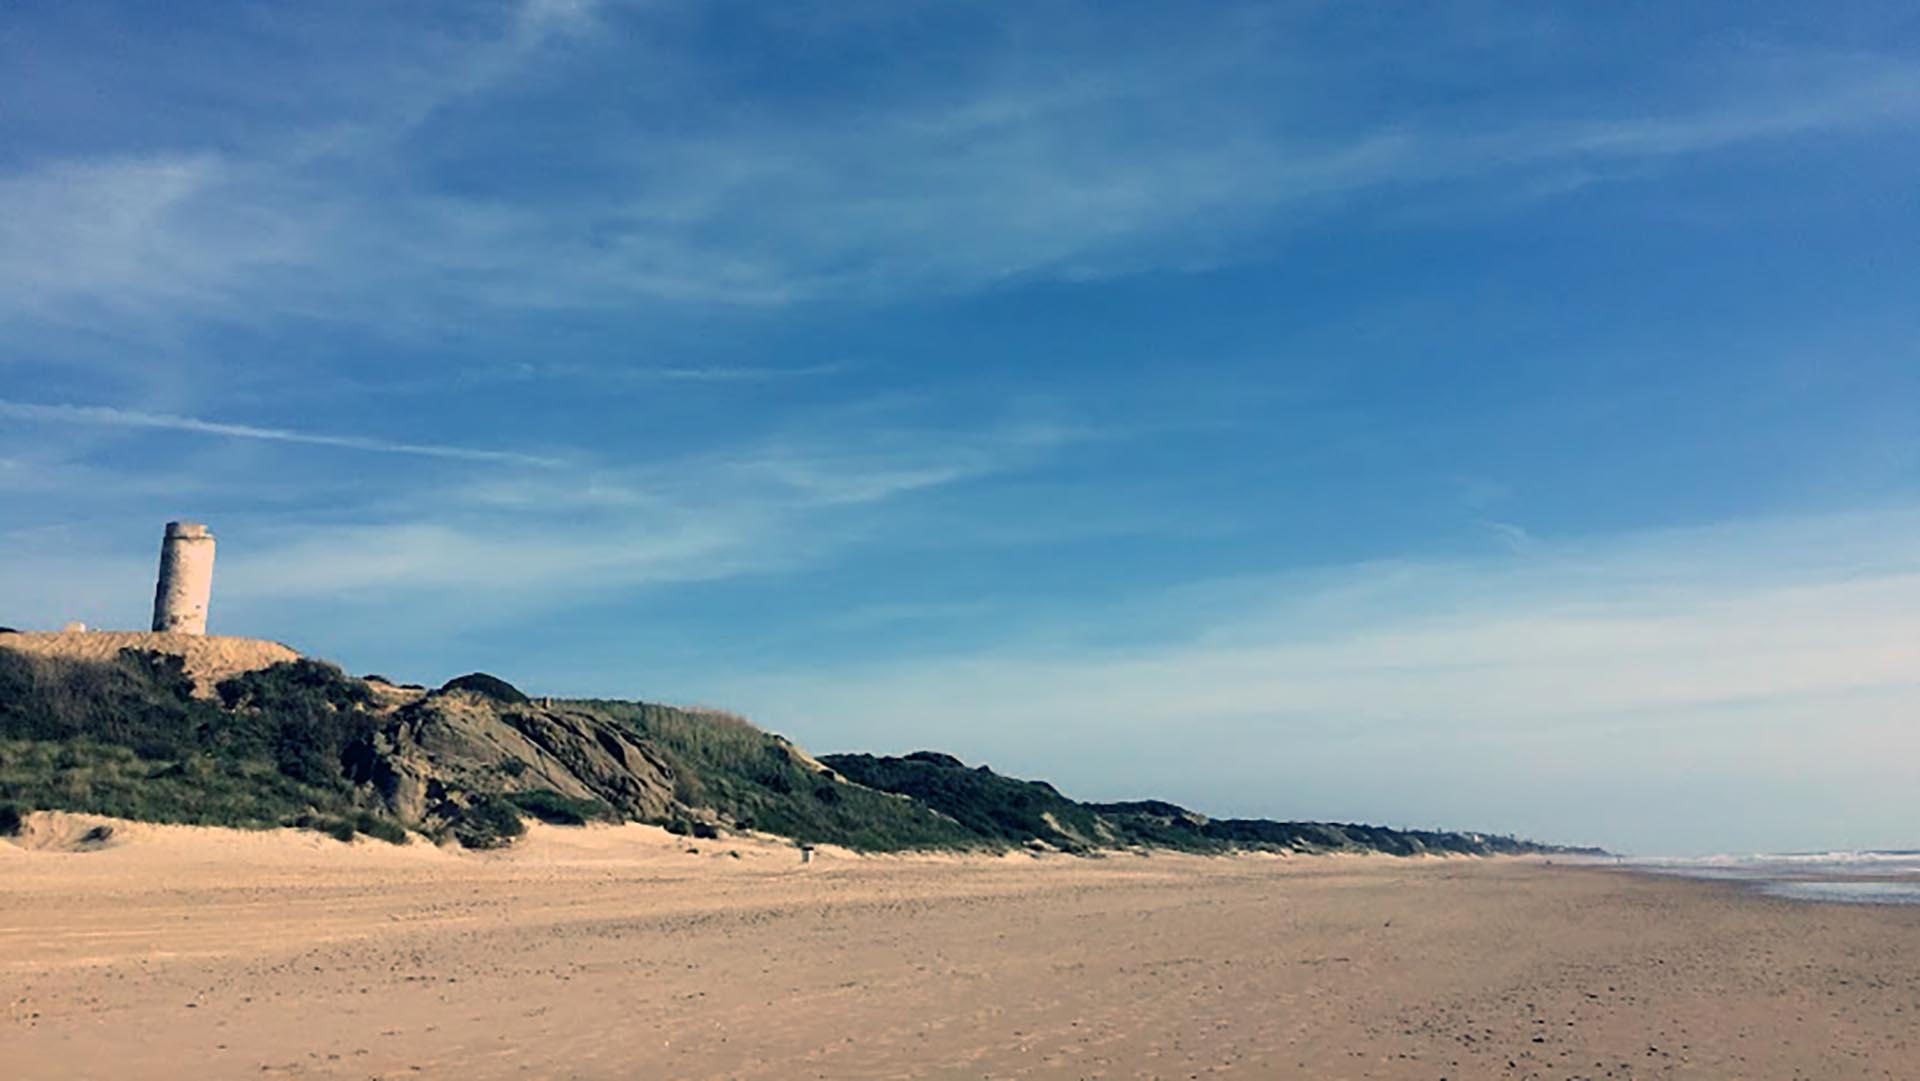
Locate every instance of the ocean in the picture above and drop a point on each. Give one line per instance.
(1862, 878)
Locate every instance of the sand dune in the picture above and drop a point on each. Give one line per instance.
(209, 658)
(618, 952)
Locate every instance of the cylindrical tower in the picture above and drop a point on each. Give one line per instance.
(186, 579)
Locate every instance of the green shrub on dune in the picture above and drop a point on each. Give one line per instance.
(758, 780)
(490, 822)
(128, 738)
(487, 686)
(1006, 810)
(558, 810)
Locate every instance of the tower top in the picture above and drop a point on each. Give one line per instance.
(187, 531)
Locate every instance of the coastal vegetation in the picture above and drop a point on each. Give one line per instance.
(302, 743)
(128, 738)
(726, 768)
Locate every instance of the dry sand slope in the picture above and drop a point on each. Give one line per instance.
(612, 953)
(209, 658)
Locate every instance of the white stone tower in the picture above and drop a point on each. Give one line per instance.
(186, 579)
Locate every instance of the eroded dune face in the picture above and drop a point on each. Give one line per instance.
(463, 741)
(208, 659)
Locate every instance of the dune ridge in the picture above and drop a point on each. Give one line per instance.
(127, 725)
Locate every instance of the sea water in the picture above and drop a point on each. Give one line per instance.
(1866, 878)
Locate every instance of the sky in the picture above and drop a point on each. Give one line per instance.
(1468, 415)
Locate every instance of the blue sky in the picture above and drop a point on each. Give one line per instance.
(1476, 415)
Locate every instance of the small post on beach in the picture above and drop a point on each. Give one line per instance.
(806, 853)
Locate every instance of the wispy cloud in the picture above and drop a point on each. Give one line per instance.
(735, 373)
(800, 470)
(127, 418)
(697, 517)
(1514, 538)
(641, 374)
(1012, 172)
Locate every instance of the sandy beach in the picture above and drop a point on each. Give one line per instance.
(616, 952)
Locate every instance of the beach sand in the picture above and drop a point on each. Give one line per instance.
(615, 953)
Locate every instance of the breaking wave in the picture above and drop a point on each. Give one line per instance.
(1863, 877)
